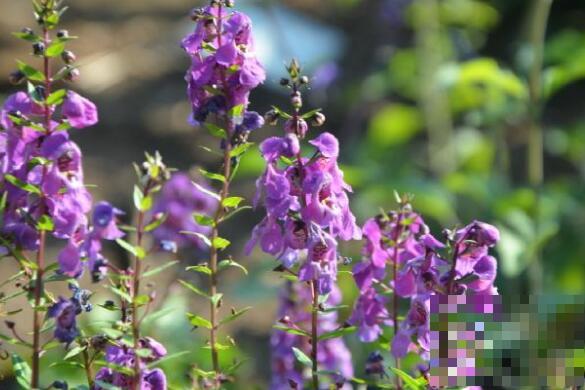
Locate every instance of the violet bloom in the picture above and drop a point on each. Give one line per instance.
(122, 355)
(79, 111)
(65, 312)
(85, 245)
(179, 200)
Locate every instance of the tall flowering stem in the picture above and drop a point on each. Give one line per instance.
(125, 346)
(307, 211)
(41, 189)
(422, 266)
(223, 71)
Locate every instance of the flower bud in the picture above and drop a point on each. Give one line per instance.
(229, 3)
(40, 92)
(10, 324)
(72, 74)
(38, 48)
(271, 117)
(304, 80)
(296, 126)
(27, 31)
(59, 384)
(284, 81)
(296, 100)
(68, 57)
(318, 119)
(196, 14)
(99, 342)
(62, 34)
(16, 77)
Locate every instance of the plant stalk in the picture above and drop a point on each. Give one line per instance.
(40, 260)
(535, 160)
(314, 334)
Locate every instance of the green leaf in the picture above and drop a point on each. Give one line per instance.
(216, 131)
(336, 333)
(141, 202)
(203, 220)
(31, 73)
(333, 308)
(74, 352)
(122, 294)
(240, 149)
(220, 243)
(232, 201)
(144, 352)
(56, 97)
(193, 288)
(160, 268)
(22, 185)
(27, 37)
(311, 113)
(134, 250)
(281, 113)
(167, 358)
(201, 236)
(216, 298)
(36, 161)
(45, 223)
(204, 269)
(212, 176)
(236, 111)
(141, 300)
(55, 49)
(409, 381)
(198, 321)
(231, 263)
(22, 371)
(155, 223)
(206, 191)
(234, 212)
(112, 333)
(302, 358)
(234, 315)
(298, 332)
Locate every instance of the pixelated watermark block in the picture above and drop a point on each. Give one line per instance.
(498, 341)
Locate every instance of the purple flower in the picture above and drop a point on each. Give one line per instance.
(122, 355)
(64, 312)
(104, 221)
(232, 67)
(79, 111)
(369, 314)
(86, 244)
(179, 200)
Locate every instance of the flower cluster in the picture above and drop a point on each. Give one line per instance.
(42, 171)
(224, 68)
(307, 207)
(422, 266)
(84, 246)
(179, 199)
(294, 312)
(122, 357)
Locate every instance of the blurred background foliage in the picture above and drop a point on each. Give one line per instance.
(432, 97)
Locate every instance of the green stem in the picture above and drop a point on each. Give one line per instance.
(535, 159)
(434, 105)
